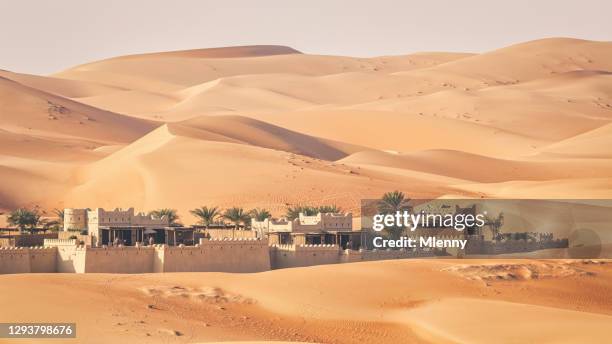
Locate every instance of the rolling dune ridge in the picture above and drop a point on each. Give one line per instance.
(514, 122)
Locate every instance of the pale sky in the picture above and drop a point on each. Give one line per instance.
(40, 36)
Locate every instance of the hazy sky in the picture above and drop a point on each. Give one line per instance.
(40, 36)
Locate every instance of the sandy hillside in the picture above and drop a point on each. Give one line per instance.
(469, 301)
(270, 126)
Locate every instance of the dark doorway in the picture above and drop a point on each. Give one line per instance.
(105, 233)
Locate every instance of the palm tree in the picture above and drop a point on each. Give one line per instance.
(59, 213)
(391, 203)
(24, 218)
(206, 215)
(170, 214)
(260, 214)
(330, 209)
(236, 216)
(294, 212)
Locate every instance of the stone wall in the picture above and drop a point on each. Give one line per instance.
(14, 260)
(25, 260)
(251, 255)
(43, 259)
(285, 256)
(226, 255)
(70, 259)
(238, 255)
(127, 259)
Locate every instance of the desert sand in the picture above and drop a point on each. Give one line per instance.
(416, 301)
(270, 126)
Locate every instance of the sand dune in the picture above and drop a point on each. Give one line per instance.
(145, 171)
(257, 133)
(30, 111)
(483, 169)
(592, 144)
(153, 76)
(44, 137)
(362, 302)
(530, 120)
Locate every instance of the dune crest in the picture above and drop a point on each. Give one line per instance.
(269, 126)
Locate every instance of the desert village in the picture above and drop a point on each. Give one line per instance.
(123, 241)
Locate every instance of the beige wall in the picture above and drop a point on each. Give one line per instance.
(70, 259)
(285, 256)
(25, 260)
(248, 255)
(128, 259)
(14, 261)
(218, 255)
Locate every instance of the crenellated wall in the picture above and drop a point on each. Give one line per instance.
(285, 256)
(119, 260)
(14, 260)
(226, 255)
(25, 260)
(246, 255)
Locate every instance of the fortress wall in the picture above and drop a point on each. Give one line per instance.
(128, 259)
(248, 255)
(70, 259)
(14, 260)
(286, 256)
(43, 259)
(25, 260)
